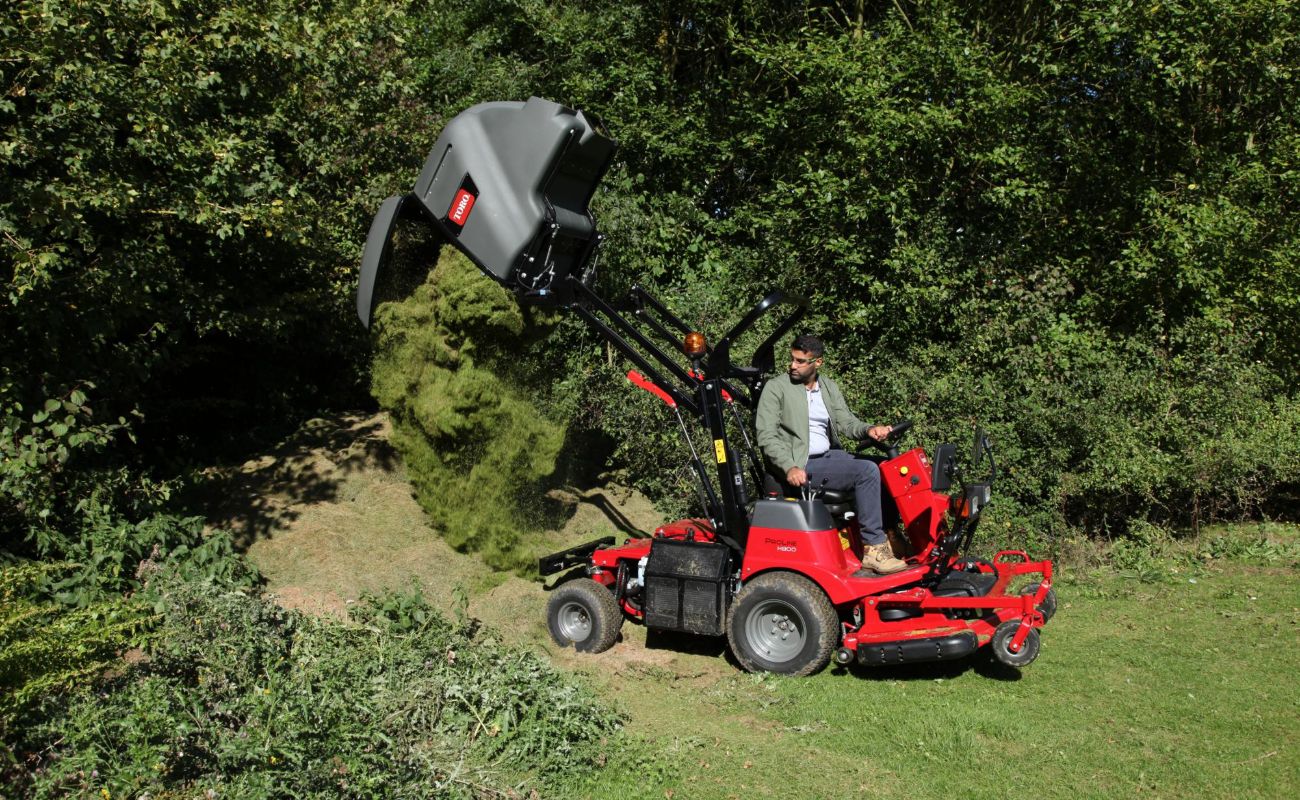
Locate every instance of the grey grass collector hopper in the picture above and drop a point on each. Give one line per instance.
(508, 183)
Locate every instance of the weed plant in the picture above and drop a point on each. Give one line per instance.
(236, 696)
(48, 647)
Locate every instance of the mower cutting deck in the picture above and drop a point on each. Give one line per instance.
(782, 578)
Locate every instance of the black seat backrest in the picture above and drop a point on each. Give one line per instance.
(836, 502)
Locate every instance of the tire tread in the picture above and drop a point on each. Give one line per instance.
(793, 586)
(607, 617)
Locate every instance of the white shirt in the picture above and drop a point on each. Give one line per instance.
(819, 420)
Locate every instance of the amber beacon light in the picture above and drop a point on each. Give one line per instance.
(694, 344)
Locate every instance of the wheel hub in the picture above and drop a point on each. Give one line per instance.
(777, 631)
(574, 621)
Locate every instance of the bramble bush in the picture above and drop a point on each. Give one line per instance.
(104, 524)
(237, 696)
(38, 472)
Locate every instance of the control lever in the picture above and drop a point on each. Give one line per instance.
(807, 492)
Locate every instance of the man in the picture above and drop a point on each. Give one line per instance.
(801, 422)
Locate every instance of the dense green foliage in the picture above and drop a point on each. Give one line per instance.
(175, 224)
(236, 696)
(179, 206)
(1075, 223)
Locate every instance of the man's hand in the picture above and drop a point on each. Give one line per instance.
(796, 476)
(879, 432)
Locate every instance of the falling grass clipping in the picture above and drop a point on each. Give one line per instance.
(477, 446)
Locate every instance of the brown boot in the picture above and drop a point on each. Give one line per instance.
(880, 558)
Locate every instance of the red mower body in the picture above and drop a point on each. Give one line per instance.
(940, 608)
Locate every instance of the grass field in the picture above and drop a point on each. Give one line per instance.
(1184, 688)
(1174, 678)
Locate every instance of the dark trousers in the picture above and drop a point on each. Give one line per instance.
(843, 472)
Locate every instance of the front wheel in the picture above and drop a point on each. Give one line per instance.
(781, 622)
(583, 613)
(1001, 645)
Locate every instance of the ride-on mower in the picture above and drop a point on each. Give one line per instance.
(509, 184)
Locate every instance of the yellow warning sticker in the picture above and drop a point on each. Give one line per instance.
(720, 450)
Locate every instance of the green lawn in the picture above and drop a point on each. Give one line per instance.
(1182, 688)
(1153, 686)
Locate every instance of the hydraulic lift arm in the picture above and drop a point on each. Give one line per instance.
(508, 184)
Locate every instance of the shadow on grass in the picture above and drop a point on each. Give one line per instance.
(688, 643)
(579, 478)
(615, 516)
(979, 663)
(714, 646)
(257, 499)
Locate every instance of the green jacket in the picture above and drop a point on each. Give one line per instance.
(782, 420)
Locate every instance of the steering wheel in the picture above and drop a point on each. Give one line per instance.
(897, 430)
(890, 442)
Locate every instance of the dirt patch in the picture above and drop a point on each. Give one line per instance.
(328, 515)
(325, 463)
(322, 604)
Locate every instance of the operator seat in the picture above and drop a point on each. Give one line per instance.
(837, 502)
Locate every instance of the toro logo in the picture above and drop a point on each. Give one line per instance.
(461, 205)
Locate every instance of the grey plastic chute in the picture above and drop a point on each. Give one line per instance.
(509, 184)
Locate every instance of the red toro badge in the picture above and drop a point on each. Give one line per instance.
(461, 205)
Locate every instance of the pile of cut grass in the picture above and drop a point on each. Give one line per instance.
(477, 445)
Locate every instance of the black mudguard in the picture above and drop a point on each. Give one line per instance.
(378, 243)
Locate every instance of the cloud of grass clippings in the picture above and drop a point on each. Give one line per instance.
(477, 444)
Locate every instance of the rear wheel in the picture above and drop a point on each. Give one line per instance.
(781, 622)
(1000, 647)
(583, 613)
